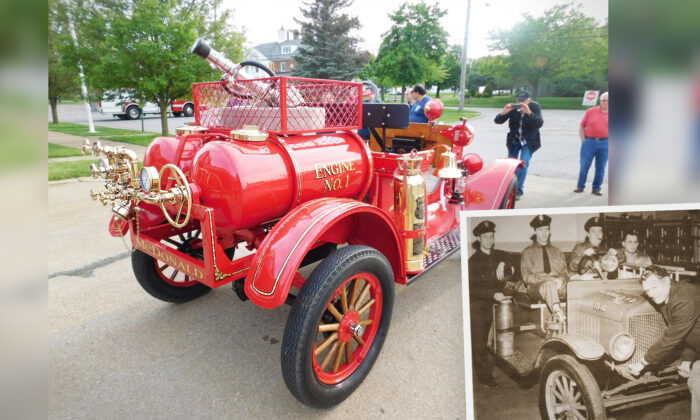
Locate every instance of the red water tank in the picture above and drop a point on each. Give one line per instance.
(248, 183)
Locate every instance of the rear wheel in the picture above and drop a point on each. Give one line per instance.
(133, 112)
(509, 198)
(337, 326)
(568, 390)
(187, 110)
(163, 281)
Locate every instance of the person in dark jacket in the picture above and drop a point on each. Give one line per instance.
(523, 139)
(488, 267)
(679, 303)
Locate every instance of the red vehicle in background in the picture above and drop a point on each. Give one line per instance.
(121, 104)
(274, 170)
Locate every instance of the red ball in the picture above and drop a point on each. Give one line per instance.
(433, 109)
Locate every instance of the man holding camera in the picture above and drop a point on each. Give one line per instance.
(523, 139)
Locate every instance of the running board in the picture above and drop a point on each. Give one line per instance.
(438, 250)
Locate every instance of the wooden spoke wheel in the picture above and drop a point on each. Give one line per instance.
(568, 391)
(165, 282)
(337, 326)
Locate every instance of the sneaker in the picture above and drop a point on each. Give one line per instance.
(597, 192)
(578, 190)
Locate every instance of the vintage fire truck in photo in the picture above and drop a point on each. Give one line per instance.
(274, 169)
(582, 361)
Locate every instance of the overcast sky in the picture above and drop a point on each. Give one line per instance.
(261, 19)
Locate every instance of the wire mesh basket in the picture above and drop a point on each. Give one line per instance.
(279, 105)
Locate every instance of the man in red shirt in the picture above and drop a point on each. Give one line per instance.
(594, 144)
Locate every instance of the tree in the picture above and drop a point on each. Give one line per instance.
(453, 69)
(413, 49)
(144, 45)
(63, 78)
(562, 40)
(328, 50)
(496, 68)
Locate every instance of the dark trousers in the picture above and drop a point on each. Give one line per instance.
(481, 317)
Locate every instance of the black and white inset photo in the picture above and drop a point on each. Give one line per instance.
(582, 313)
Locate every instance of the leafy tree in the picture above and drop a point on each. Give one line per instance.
(413, 49)
(144, 45)
(496, 68)
(329, 52)
(63, 78)
(561, 41)
(488, 91)
(453, 69)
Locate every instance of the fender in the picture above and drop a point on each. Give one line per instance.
(486, 188)
(336, 220)
(584, 348)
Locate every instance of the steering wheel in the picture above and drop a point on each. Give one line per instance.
(374, 88)
(184, 187)
(585, 265)
(239, 90)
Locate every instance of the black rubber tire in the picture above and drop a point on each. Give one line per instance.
(133, 112)
(187, 110)
(583, 380)
(145, 271)
(144, 267)
(512, 189)
(309, 306)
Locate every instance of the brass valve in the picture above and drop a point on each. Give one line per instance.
(119, 168)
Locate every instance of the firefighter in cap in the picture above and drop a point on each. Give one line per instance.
(679, 303)
(488, 268)
(543, 267)
(589, 247)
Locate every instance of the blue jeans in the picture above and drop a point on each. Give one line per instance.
(593, 149)
(525, 156)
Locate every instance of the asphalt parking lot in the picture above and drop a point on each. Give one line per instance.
(116, 352)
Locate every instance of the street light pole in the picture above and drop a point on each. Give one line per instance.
(463, 75)
(83, 87)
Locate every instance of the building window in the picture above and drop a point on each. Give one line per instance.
(287, 49)
(283, 66)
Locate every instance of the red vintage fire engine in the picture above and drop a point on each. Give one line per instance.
(274, 168)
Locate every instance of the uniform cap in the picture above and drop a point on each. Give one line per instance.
(483, 227)
(593, 221)
(541, 220)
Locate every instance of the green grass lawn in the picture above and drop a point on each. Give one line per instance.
(140, 139)
(59, 151)
(83, 130)
(70, 169)
(547, 102)
(453, 115)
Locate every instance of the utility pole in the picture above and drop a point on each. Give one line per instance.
(83, 87)
(463, 76)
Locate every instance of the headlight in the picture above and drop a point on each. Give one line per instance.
(621, 347)
(149, 179)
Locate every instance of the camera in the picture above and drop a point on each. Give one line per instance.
(515, 106)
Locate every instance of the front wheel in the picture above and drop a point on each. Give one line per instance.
(337, 326)
(568, 390)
